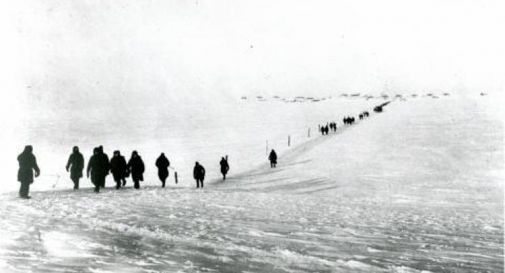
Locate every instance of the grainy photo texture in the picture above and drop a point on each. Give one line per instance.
(252, 136)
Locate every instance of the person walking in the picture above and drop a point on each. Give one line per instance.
(136, 167)
(224, 166)
(27, 164)
(118, 169)
(104, 161)
(75, 165)
(199, 174)
(162, 163)
(273, 159)
(98, 169)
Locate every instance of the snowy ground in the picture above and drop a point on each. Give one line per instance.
(418, 188)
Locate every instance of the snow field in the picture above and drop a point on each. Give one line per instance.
(417, 188)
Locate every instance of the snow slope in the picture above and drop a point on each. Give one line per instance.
(187, 132)
(418, 188)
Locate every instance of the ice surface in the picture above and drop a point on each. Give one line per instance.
(417, 188)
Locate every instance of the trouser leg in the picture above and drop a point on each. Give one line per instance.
(27, 189)
(76, 183)
(24, 189)
(96, 183)
(136, 184)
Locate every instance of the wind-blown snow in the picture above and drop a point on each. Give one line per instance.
(418, 188)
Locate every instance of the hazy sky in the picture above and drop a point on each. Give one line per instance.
(78, 68)
(56, 53)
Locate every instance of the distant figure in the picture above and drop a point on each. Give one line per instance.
(118, 169)
(27, 164)
(199, 174)
(273, 159)
(76, 164)
(324, 130)
(333, 126)
(98, 167)
(162, 163)
(224, 166)
(136, 167)
(349, 120)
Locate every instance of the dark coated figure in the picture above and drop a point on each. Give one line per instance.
(162, 163)
(324, 130)
(361, 116)
(333, 126)
(273, 159)
(366, 114)
(349, 120)
(199, 174)
(75, 165)
(224, 166)
(104, 158)
(118, 169)
(136, 167)
(27, 164)
(98, 168)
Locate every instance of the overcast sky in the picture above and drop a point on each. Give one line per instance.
(59, 52)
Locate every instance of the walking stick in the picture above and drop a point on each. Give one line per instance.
(175, 175)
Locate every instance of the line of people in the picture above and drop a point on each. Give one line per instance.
(348, 120)
(99, 167)
(325, 130)
(363, 115)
